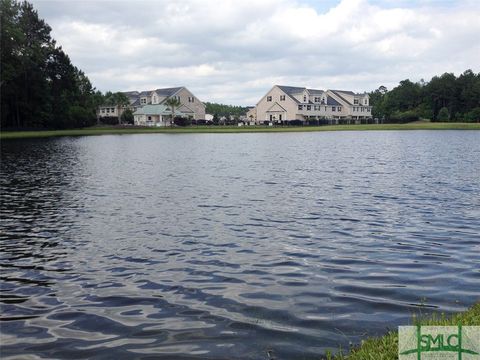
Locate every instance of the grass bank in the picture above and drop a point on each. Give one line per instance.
(386, 347)
(112, 130)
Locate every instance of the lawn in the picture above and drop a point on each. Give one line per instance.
(114, 130)
(386, 347)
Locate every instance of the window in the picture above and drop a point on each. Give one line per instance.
(325, 108)
(333, 108)
(316, 108)
(103, 111)
(149, 118)
(282, 97)
(365, 101)
(300, 107)
(355, 101)
(361, 109)
(339, 108)
(269, 98)
(108, 110)
(304, 98)
(309, 107)
(317, 99)
(143, 101)
(191, 99)
(271, 117)
(280, 117)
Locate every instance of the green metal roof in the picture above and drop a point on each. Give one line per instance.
(156, 110)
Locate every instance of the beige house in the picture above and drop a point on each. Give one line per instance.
(190, 107)
(286, 103)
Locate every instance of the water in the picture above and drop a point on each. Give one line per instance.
(238, 246)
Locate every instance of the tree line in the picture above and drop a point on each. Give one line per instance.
(40, 88)
(443, 98)
(224, 110)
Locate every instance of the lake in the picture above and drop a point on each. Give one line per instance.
(233, 246)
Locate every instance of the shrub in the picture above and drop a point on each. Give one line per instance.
(295, 122)
(109, 120)
(182, 121)
(401, 117)
(127, 117)
(473, 115)
(443, 114)
(80, 117)
(424, 111)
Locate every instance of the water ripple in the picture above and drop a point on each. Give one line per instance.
(232, 246)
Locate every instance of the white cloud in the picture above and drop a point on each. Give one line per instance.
(234, 51)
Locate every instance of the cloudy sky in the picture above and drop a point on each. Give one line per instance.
(234, 51)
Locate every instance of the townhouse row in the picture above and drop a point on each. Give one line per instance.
(287, 103)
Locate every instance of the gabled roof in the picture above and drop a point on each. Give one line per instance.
(332, 101)
(185, 109)
(291, 90)
(338, 93)
(131, 93)
(343, 91)
(276, 108)
(145, 93)
(315, 92)
(168, 91)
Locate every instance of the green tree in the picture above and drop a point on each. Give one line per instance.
(127, 116)
(117, 99)
(40, 88)
(377, 101)
(173, 103)
(441, 92)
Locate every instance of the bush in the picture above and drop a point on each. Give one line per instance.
(401, 117)
(80, 117)
(127, 117)
(443, 114)
(473, 115)
(295, 122)
(182, 121)
(109, 120)
(424, 111)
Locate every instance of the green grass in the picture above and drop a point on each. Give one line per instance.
(112, 130)
(386, 347)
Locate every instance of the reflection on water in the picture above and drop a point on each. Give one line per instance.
(232, 246)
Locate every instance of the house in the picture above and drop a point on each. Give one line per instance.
(154, 115)
(190, 107)
(283, 104)
(116, 111)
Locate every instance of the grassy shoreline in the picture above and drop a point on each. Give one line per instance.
(112, 130)
(386, 347)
